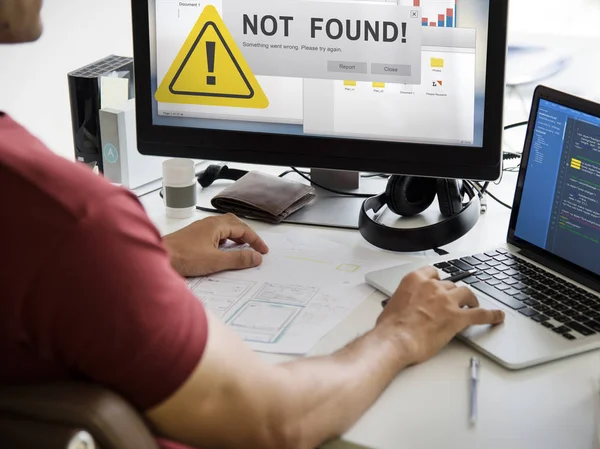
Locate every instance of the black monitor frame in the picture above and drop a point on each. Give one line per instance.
(447, 161)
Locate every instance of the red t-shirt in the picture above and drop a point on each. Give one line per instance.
(86, 287)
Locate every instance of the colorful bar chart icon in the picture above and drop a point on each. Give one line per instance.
(446, 20)
(437, 63)
(576, 164)
(378, 85)
(350, 83)
(449, 17)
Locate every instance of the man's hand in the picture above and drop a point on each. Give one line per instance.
(424, 313)
(194, 250)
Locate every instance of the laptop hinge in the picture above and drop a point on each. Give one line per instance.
(559, 268)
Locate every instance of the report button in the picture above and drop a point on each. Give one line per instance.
(346, 67)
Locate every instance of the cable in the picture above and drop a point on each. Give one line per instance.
(515, 125)
(484, 188)
(514, 169)
(306, 175)
(499, 201)
(366, 175)
(507, 156)
(376, 175)
(483, 191)
(337, 192)
(287, 172)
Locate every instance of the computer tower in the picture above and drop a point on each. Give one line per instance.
(108, 82)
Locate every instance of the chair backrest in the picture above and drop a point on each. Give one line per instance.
(30, 434)
(55, 415)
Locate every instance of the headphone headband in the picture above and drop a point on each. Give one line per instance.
(421, 238)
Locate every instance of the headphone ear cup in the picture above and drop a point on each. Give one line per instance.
(219, 171)
(210, 175)
(450, 196)
(409, 195)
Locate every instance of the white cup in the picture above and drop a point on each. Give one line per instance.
(179, 187)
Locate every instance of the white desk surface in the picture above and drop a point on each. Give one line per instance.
(551, 406)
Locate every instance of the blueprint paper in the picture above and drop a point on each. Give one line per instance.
(302, 290)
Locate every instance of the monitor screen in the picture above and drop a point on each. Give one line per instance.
(560, 201)
(403, 71)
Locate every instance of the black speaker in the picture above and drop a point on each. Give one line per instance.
(85, 94)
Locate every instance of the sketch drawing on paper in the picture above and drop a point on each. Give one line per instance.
(219, 295)
(286, 294)
(222, 287)
(263, 322)
(218, 306)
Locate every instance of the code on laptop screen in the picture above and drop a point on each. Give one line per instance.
(560, 204)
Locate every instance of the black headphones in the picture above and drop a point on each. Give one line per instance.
(219, 171)
(408, 196)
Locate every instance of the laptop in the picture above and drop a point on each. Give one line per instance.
(546, 277)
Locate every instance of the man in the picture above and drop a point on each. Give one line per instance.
(90, 291)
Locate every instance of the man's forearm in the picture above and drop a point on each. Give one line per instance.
(234, 399)
(331, 393)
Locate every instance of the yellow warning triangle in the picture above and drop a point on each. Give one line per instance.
(210, 69)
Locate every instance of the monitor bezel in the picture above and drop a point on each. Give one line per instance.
(448, 161)
(542, 255)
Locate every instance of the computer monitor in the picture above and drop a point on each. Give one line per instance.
(401, 87)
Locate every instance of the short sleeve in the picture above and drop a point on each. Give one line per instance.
(109, 306)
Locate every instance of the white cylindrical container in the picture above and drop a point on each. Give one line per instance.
(179, 187)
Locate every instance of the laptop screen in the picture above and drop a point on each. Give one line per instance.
(560, 202)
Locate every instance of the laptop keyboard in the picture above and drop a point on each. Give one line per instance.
(537, 294)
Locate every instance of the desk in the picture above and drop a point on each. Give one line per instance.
(551, 406)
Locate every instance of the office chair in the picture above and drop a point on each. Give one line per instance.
(72, 415)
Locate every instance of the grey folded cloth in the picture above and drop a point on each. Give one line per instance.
(263, 197)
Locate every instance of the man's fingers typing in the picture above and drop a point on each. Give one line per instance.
(464, 297)
(428, 272)
(483, 316)
(448, 285)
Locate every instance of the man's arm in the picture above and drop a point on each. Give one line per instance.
(236, 400)
(107, 306)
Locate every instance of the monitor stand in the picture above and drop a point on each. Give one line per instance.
(332, 209)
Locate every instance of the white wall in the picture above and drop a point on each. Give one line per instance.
(33, 83)
(555, 17)
(33, 77)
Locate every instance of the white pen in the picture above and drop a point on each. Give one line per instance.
(474, 380)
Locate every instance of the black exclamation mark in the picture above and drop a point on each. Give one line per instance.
(210, 55)
(404, 32)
